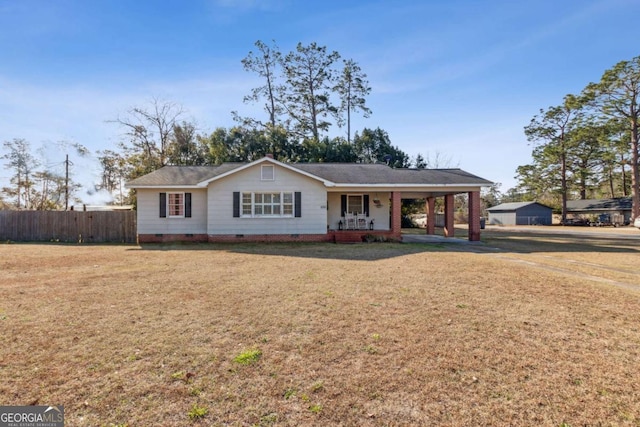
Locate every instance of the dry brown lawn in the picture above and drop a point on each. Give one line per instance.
(361, 335)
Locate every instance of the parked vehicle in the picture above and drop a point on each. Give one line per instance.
(576, 221)
(614, 219)
(636, 223)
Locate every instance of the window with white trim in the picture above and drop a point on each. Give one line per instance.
(273, 204)
(175, 205)
(355, 204)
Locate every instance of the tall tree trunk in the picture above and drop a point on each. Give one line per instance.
(349, 122)
(625, 193)
(27, 194)
(610, 173)
(583, 181)
(564, 187)
(635, 172)
(563, 177)
(19, 189)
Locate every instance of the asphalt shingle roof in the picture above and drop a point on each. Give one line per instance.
(620, 203)
(339, 173)
(356, 173)
(512, 206)
(182, 175)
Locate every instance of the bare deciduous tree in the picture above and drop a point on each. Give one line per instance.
(150, 132)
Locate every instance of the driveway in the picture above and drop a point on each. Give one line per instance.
(426, 238)
(604, 255)
(613, 232)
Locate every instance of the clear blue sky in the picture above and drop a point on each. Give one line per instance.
(458, 78)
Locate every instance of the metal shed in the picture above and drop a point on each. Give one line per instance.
(520, 213)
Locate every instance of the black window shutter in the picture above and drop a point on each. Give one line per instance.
(366, 204)
(298, 204)
(163, 205)
(343, 204)
(236, 204)
(187, 205)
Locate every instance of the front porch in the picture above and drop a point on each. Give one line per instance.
(386, 221)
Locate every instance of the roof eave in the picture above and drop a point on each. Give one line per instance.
(155, 186)
(406, 185)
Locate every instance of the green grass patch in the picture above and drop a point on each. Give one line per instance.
(248, 357)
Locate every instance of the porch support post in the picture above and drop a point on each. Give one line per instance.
(474, 216)
(448, 215)
(431, 215)
(396, 214)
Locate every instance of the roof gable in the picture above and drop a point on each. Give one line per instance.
(244, 166)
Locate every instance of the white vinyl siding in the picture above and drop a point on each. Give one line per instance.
(150, 222)
(313, 218)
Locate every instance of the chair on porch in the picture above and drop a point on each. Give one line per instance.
(349, 221)
(361, 221)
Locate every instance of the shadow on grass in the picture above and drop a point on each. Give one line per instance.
(355, 252)
(519, 241)
(525, 240)
(528, 241)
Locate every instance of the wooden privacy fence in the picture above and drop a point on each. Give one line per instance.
(68, 226)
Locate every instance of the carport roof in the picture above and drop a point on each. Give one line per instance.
(615, 204)
(361, 173)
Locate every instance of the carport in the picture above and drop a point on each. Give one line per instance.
(474, 210)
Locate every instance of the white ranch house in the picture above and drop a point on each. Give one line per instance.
(267, 200)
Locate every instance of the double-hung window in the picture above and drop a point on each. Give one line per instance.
(354, 204)
(175, 205)
(268, 204)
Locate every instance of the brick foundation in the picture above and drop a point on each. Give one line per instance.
(168, 238)
(331, 236)
(266, 238)
(348, 236)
